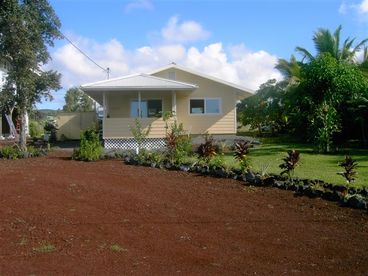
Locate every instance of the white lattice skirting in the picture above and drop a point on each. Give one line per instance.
(131, 143)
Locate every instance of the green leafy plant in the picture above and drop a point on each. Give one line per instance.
(241, 149)
(35, 152)
(350, 165)
(208, 149)
(291, 161)
(90, 147)
(178, 143)
(139, 133)
(326, 123)
(35, 129)
(10, 152)
(217, 162)
(263, 169)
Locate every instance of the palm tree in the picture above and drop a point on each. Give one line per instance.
(289, 69)
(326, 42)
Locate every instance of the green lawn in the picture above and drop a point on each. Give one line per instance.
(313, 165)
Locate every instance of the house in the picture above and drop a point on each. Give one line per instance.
(200, 102)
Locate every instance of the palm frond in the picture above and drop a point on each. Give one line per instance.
(305, 53)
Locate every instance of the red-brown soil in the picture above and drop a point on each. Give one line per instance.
(108, 218)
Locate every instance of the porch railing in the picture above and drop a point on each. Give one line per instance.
(120, 127)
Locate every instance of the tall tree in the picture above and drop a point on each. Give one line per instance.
(289, 69)
(77, 101)
(265, 108)
(27, 28)
(326, 42)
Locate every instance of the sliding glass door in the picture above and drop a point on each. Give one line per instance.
(149, 108)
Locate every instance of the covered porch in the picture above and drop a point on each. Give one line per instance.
(138, 96)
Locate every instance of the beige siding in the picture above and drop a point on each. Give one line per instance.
(120, 127)
(70, 124)
(118, 123)
(197, 124)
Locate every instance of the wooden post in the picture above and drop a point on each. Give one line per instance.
(139, 105)
(104, 103)
(173, 103)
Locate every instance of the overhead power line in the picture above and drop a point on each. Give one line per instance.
(107, 70)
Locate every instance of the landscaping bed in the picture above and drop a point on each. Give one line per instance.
(59, 216)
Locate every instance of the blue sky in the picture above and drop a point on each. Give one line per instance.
(239, 41)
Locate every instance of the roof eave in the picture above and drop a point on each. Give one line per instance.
(136, 88)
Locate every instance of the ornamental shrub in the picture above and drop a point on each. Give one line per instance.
(240, 154)
(178, 143)
(140, 133)
(10, 152)
(35, 129)
(349, 165)
(90, 147)
(291, 161)
(207, 150)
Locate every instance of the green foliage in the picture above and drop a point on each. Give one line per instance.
(240, 154)
(325, 124)
(90, 146)
(217, 162)
(77, 101)
(291, 161)
(319, 99)
(350, 165)
(10, 152)
(35, 129)
(14, 152)
(326, 42)
(139, 133)
(291, 70)
(266, 108)
(27, 29)
(207, 150)
(178, 143)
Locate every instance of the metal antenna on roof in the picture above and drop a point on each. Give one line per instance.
(108, 72)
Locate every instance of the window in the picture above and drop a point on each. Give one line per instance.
(154, 108)
(149, 108)
(204, 106)
(196, 106)
(172, 75)
(213, 106)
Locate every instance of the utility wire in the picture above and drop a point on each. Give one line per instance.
(107, 70)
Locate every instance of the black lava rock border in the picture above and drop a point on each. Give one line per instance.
(344, 195)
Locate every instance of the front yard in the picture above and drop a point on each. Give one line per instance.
(312, 166)
(59, 216)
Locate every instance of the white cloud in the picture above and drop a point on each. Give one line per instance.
(139, 4)
(363, 7)
(187, 31)
(343, 8)
(358, 9)
(235, 64)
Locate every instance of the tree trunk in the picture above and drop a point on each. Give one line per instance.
(23, 127)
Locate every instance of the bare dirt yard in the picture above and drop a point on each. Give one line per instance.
(59, 216)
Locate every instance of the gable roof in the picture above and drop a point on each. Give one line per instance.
(138, 82)
(243, 90)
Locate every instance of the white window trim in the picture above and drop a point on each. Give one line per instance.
(204, 99)
(145, 99)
